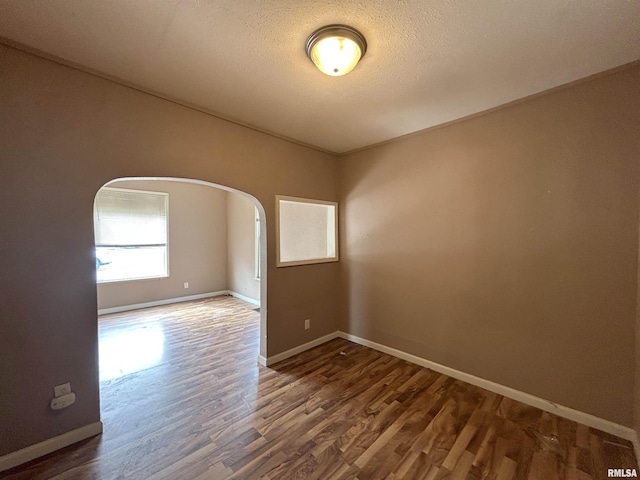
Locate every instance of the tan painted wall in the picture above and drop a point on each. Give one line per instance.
(636, 402)
(64, 134)
(506, 246)
(197, 246)
(241, 247)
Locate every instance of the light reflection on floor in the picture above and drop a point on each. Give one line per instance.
(130, 350)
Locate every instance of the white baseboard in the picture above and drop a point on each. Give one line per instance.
(526, 398)
(32, 452)
(244, 297)
(294, 351)
(157, 303)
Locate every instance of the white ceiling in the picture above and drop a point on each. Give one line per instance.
(428, 61)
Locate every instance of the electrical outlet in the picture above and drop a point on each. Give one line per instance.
(186, 284)
(60, 390)
(307, 324)
(64, 401)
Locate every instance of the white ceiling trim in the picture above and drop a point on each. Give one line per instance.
(428, 62)
(66, 63)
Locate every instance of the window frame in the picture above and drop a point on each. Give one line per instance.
(257, 234)
(335, 258)
(167, 249)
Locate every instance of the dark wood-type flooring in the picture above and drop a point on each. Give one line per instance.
(207, 410)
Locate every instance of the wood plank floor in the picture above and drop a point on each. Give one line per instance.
(207, 410)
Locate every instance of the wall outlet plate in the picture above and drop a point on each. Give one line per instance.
(64, 401)
(60, 390)
(186, 284)
(307, 324)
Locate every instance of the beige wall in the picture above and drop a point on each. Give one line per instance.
(636, 403)
(64, 134)
(506, 246)
(241, 247)
(197, 246)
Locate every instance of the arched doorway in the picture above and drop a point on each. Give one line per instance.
(156, 279)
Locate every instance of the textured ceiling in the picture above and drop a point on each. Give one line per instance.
(428, 62)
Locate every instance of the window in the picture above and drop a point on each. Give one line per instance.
(307, 231)
(131, 234)
(257, 242)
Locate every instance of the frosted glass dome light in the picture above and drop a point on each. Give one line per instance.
(336, 49)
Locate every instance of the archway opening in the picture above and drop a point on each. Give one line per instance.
(185, 240)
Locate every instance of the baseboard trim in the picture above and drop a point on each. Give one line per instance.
(299, 349)
(262, 360)
(50, 445)
(526, 398)
(157, 303)
(244, 297)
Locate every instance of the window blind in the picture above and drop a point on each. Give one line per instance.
(306, 231)
(130, 218)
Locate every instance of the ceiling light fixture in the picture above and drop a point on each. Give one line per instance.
(336, 49)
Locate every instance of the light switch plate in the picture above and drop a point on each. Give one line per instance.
(64, 389)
